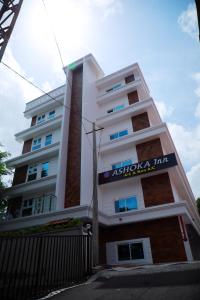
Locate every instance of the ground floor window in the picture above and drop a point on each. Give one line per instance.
(130, 251)
(126, 204)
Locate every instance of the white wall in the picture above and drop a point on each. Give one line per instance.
(56, 134)
(110, 192)
(122, 125)
(104, 107)
(90, 111)
(105, 161)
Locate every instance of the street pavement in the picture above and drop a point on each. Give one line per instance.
(161, 282)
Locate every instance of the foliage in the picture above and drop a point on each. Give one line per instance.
(3, 171)
(46, 228)
(198, 204)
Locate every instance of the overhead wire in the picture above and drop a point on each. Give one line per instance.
(54, 35)
(45, 93)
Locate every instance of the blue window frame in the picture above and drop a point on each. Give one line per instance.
(48, 139)
(45, 169)
(122, 164)
(114, 87)
(119, 134)
(51, 114)
(116, 108)
(32, 173)
(40, 118)
(36, 144)
(126, 204)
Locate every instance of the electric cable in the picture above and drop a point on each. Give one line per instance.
(54, 35)
(45, 93)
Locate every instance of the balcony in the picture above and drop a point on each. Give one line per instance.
(32, 186)
(128, 112)
(133, 138)
(45, 102)
(39, 129)
(33, 206)
(30, 157)
(119, 92)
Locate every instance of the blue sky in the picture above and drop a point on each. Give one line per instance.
(160, 35)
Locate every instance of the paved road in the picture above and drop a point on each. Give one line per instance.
(177, 282)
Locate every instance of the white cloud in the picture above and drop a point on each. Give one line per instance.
(188, 21)
(187, 142)
(14, 93)
(108, 7)
(193, 177)
(196, 77)
(163, 110)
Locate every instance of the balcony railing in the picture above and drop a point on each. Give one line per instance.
(31, 207)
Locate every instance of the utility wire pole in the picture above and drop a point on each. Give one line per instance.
(9, 10)
(95, 219)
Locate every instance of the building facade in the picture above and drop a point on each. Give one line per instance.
(146, 206)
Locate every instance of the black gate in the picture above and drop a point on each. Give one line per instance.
(33, 266)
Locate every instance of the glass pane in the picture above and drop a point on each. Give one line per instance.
(124, 132)
(119, 107)
(126, 162)
(27, 212)
(123, 252)
(137, 251)
(131, 203)
(32, 176)
(51, 114)
(114, 136)
(45, 167)
(120, 205)
(116, 166)
(48, 139)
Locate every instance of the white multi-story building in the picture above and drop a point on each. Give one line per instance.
(146, 206)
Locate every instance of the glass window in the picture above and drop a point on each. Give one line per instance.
(123, 252)
(119, 134)
(32, 173)
(119, 107)
(51, 114)
(41, 118)
(48, 139)
(122, 164)
(130, 251)
(27, 207)
(45, 169)
(114, 136)
(123, 132)
(126, 204)
(36, 144)
(114, 87)
(110, 111)
(137, 251)
(116, 108)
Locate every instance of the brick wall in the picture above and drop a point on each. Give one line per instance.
(33, 121)
(27, 146)
(140, 121)
(165, 238)
(149, 150)
(72, 194)
(157, 190)
(133, 97)
(20, 175)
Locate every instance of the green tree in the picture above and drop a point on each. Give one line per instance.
(198, 204)
(3, 171)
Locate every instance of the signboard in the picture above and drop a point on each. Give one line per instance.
(142, 167)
